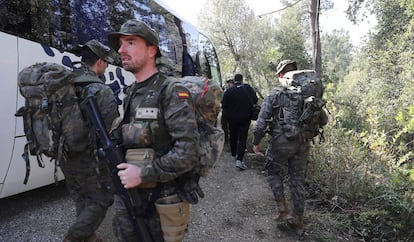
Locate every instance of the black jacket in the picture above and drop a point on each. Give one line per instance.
(237, 101)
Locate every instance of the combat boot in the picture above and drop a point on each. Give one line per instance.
(284, 212)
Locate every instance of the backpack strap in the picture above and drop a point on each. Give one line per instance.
(26, 153)
(158, 85)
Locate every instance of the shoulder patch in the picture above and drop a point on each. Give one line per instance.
(183, 94)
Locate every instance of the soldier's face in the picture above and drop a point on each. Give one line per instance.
(135, 53)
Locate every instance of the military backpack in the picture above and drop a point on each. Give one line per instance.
(52, 118)
(207, 95)
(301, 113)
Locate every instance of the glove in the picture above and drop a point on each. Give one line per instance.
(188, 188)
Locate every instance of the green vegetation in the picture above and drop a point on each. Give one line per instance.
(363, 174)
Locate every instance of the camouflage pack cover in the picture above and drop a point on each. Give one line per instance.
(306, 80)
(207, 95)
(53, 121)
(301, 111)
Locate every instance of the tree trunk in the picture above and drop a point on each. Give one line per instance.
(316, 42)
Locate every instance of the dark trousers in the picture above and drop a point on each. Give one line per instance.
(238, 136)
(225, 127)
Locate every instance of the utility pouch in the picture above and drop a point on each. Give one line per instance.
(174, 216)
(141, 157)
(137, 134)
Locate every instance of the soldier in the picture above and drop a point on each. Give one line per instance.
(86, 177)
(160, 122)
(283, 151)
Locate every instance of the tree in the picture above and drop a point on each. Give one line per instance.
(291, 35)
(337, 55)
(316, 42)
(254, 49)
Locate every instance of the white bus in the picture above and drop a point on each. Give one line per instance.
(45, 31)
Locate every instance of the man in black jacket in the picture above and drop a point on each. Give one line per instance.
(237, 105)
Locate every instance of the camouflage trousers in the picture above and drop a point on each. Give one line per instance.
(122, 225)
(89, 186)
(287, 156)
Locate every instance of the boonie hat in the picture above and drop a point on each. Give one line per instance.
(283, 64)
(101, 50)
(138, 28)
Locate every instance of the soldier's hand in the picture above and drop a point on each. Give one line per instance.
(130, 175)
(256, 150)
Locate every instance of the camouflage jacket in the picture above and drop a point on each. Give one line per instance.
(267, 111)
(173, 133)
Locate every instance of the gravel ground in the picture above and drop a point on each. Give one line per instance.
(238, 207)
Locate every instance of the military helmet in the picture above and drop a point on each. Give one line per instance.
(99, 49)
(138, 28)
(283, 64)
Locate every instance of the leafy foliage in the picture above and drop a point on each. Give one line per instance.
(291, 35)
(336, 55)
(363, 171)
(368, 155)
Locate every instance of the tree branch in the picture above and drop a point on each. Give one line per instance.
(281, 9)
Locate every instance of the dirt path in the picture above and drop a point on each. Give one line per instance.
(238, 206)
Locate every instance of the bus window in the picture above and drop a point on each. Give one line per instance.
(203, 67)
(208, 59)
(63, 24)
(190, 48)
(188, 65)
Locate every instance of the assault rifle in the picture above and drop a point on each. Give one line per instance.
(114, 155)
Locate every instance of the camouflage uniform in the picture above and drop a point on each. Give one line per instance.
(282, 152)
(174, 137)
(171, 132)
(87, 178)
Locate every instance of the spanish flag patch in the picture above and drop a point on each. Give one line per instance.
(183, 94)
